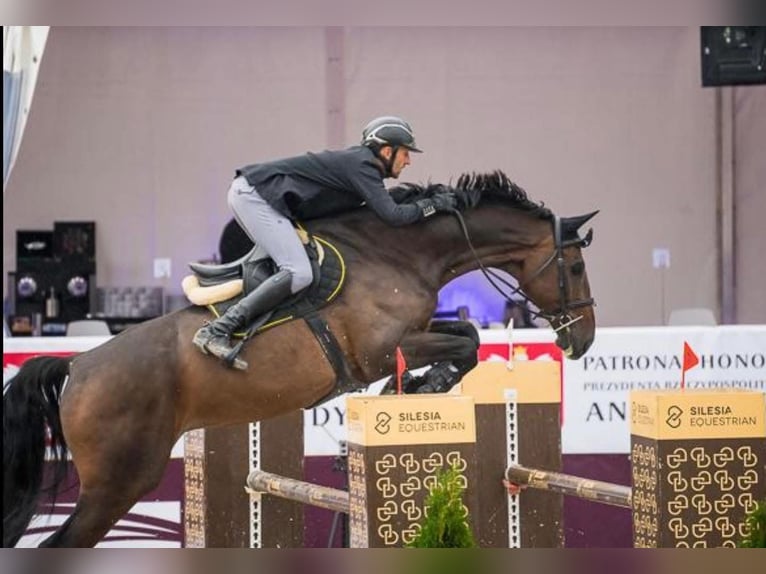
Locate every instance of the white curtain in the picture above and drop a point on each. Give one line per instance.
(23, 48)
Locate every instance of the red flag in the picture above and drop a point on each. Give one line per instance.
(690, 358)
(401, 366)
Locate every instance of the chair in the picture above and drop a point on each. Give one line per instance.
(462, 313)
(692, 316)
(519, 312)
(88, 328)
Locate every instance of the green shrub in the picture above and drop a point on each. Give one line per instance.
(756, 524)
(445, 524)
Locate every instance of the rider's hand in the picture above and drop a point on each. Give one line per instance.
(445, 202)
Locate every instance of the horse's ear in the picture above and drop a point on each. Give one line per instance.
(574, 223)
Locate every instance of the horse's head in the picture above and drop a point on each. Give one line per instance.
(502, 228)
(543, 252)
(553, 276)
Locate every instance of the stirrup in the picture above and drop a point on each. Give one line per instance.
(227, 355)
(232, 360)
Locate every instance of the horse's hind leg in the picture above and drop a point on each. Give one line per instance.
(109, 487)
(93, 516)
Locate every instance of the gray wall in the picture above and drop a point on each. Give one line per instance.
(140, 129)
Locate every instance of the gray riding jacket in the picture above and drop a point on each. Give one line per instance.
(318, 184)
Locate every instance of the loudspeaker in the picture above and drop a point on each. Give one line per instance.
(56, 272)
(73, 287)
(77, 290)
(32, 279)
(33, 245)
(733, 55)
(26, 292)
(74, 240)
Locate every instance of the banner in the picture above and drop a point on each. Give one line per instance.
(596, 388)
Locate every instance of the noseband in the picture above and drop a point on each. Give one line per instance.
(561, 317)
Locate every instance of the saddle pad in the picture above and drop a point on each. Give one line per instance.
(332, 274)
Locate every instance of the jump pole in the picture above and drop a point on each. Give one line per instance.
(259, 482)
(597, 491)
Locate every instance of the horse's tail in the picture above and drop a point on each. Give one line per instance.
(30, 404)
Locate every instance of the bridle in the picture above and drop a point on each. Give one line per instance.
(561, 317)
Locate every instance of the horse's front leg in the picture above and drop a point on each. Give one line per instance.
(463, 329)
(450, 348)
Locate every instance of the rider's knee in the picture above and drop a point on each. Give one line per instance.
(302, 278)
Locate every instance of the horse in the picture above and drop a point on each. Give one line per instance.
(119, 408)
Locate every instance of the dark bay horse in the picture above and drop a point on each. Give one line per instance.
(119, 408)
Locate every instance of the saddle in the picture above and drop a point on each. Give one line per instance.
(217, 287)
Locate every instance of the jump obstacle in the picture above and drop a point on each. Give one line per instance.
(693, 483)
(262, 482)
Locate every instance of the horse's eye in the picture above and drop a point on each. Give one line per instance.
(578, 268)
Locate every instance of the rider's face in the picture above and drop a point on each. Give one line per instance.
(401, 160)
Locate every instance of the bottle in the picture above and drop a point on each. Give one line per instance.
(51, 305)
(37, 325)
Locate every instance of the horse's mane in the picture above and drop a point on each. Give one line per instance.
(473, 188)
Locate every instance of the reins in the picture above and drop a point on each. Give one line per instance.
(561, 316)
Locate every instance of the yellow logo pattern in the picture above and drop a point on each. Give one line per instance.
(401, 483)
(706, 491)
(357, 490)
(194, 478)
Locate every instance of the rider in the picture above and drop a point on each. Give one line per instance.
(267, 197)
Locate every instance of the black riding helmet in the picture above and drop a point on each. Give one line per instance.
(392, 131)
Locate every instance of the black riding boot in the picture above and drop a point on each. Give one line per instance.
(214, 338)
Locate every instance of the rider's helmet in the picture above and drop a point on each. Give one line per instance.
(389, 130)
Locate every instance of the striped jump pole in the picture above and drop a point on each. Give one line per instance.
(597, 491)
(260, 481)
